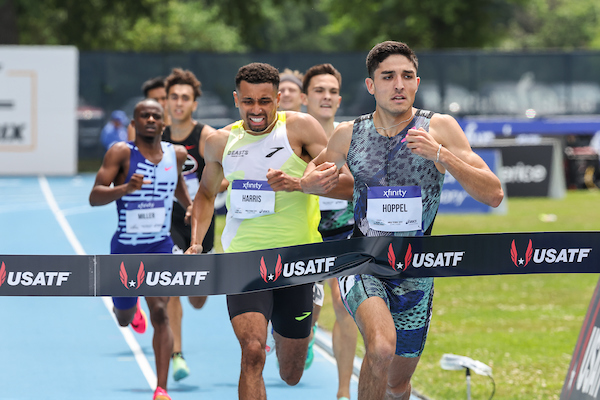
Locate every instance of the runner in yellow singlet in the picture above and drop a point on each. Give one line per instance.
(263, 156)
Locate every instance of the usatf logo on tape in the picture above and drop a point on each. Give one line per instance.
(297, 268)
(28, 278)
(548, 256)
(162, 278)
(427, 260)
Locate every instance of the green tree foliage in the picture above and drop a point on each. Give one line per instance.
(89, 24)
(132, 25)
(300, 25)
(555, 24)
(188, 26)
(431, 24)
(282, 25)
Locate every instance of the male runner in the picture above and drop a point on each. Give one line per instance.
(290, 86)
(145, 173)
(183, 89)
(407, 150)
(322, 84)
(272, 148)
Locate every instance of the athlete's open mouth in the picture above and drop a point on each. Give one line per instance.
(256, 120)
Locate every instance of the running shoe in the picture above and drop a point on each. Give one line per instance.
(310, 355)
(270, 347)
(161, 394)
(140, 321)
(180, 368)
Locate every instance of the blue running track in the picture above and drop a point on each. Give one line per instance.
(71, 348)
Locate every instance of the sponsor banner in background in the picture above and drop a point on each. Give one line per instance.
(211, 274)
(38, 103)
(526, 170)
(583, 378)
(486, 128)
(531, 170)
(455, 199)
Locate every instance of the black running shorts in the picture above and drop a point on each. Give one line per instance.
(182, 233)
(289, 308)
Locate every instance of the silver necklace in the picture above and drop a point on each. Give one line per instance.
(393, 126)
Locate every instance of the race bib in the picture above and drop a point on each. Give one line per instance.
(395, 209)
(327, 204)
(251, 199)
(144, 216)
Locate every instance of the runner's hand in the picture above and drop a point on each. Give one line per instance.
(282, 182)
(421, 143)
(194, 249)
(136, 182)
(321, 180)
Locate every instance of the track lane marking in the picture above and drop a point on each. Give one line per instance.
(127, 333)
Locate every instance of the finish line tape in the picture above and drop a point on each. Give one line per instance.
(230, 273)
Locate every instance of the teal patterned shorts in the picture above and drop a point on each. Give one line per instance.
(409, 301)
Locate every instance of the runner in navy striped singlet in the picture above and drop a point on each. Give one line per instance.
(142, 177)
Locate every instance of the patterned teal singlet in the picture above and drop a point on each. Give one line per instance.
(377, 160)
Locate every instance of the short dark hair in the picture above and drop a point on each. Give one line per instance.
(383, 50)
(257, 73)
(183, 77)
(154, 83)
(321, 69)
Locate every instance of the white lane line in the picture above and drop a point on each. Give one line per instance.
(72, 238)
(60, 217)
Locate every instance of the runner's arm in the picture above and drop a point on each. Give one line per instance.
(203, 207)
(103, 193)
(207, 131)
(456, 157)
(307, 138)
(328, 173)
(181, 191)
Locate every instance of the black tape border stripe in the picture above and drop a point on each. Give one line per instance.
(385, 257)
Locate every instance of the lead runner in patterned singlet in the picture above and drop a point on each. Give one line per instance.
(374, 161)
(398, 156)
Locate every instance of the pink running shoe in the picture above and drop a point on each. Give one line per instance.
(161, 394)
(140, 321)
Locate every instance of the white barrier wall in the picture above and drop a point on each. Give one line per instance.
(38, 104)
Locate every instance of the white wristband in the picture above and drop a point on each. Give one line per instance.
(437, 157)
